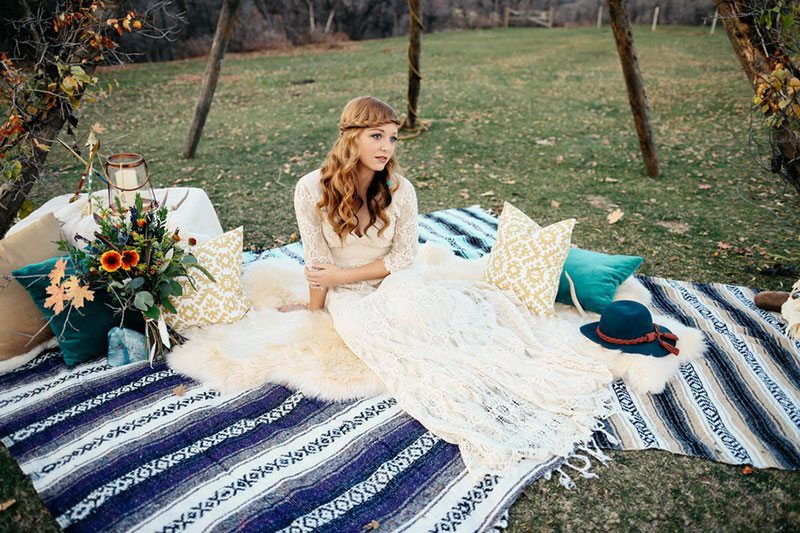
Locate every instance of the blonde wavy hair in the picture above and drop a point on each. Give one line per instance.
(339, 176)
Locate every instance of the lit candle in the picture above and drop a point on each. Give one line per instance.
(126, 179)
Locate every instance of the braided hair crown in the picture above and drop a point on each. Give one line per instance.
(366, 112)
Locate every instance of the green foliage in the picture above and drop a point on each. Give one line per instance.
(135, 258)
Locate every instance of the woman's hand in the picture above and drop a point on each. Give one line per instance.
(322, 276)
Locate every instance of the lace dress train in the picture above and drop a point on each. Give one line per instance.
(464, 358)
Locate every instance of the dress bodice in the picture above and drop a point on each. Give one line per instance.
(397, 245)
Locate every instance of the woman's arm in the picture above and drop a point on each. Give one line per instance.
(315, 248)
(324, 276)
(316, 298)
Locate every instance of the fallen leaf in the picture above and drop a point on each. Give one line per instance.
(704, 186)
(97, 128)
(747, 470)
(611, 180)
(509, 182)
(559, 159)
(545, 142)
(180, 390)
(464, 193)
(487, 193)
(614, 216)
(723, 245)
(554, 204)
(6, 504)
(374, 524)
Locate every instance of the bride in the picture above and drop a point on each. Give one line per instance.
(465, 359)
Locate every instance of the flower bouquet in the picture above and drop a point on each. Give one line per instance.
(138, 263)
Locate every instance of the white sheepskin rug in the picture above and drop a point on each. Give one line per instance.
(302, 351)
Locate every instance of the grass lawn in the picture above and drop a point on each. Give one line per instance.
(535, 117)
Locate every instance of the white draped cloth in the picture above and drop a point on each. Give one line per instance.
(465, 359)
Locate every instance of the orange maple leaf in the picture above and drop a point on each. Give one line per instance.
(56, 299)
(57, 273)
(76, 292)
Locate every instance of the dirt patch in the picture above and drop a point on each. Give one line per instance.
(600, 202)
(674, 227)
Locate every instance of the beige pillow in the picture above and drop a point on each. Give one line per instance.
(19, 317)
(213, 303)
(528, 259)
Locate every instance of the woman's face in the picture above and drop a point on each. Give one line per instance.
(377, 146)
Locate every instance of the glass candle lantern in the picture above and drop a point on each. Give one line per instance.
(127, 175)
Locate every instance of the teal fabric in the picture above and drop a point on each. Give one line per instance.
(86, 335)
(596, 276)
(126, 346)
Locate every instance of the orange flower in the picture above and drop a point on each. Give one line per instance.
(140, 222)
(110, 261)
(130, 258)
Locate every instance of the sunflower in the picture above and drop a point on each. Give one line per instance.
(110, 261)
(130, 258)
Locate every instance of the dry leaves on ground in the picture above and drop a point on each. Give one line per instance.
(615, 216)
(6, 504)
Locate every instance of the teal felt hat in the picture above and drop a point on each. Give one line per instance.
(628, 326)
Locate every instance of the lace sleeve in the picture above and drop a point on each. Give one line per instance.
(315, 249)
(405, 243)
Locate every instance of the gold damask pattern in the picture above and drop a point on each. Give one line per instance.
(528, 259)
(213, 302)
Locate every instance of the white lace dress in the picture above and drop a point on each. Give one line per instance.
(464, 358)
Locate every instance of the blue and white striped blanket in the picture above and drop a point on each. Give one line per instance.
(116, 449)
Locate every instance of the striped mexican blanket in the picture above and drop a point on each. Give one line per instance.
(115, 448)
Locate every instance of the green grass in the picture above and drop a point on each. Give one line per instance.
(538, 118)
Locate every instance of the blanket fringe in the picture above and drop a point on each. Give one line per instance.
(580, 460)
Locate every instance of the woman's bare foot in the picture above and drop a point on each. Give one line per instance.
(288, 308)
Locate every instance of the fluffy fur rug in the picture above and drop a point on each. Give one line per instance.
(301, 350)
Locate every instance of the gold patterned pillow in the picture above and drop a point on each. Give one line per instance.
(528, 259)
(213, 302)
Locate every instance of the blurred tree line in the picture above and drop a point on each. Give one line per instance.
(263, 24)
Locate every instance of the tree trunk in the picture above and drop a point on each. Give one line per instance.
(756, 66)
(633, 81)
(329, 24)
(14, 193)
(414, 77)
(221, 37)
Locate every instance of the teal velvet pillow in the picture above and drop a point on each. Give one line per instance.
(86, 335)
(596, 277)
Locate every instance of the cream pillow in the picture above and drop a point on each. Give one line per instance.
(22, 325)
(213, 302)
(528, 259)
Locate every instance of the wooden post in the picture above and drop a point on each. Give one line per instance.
(220, 43)
(633, 81)
(756, 66)
(600, 17)
(714, 22)
(414, 77)
(551, 14)
(655, 19)
(506, 16)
